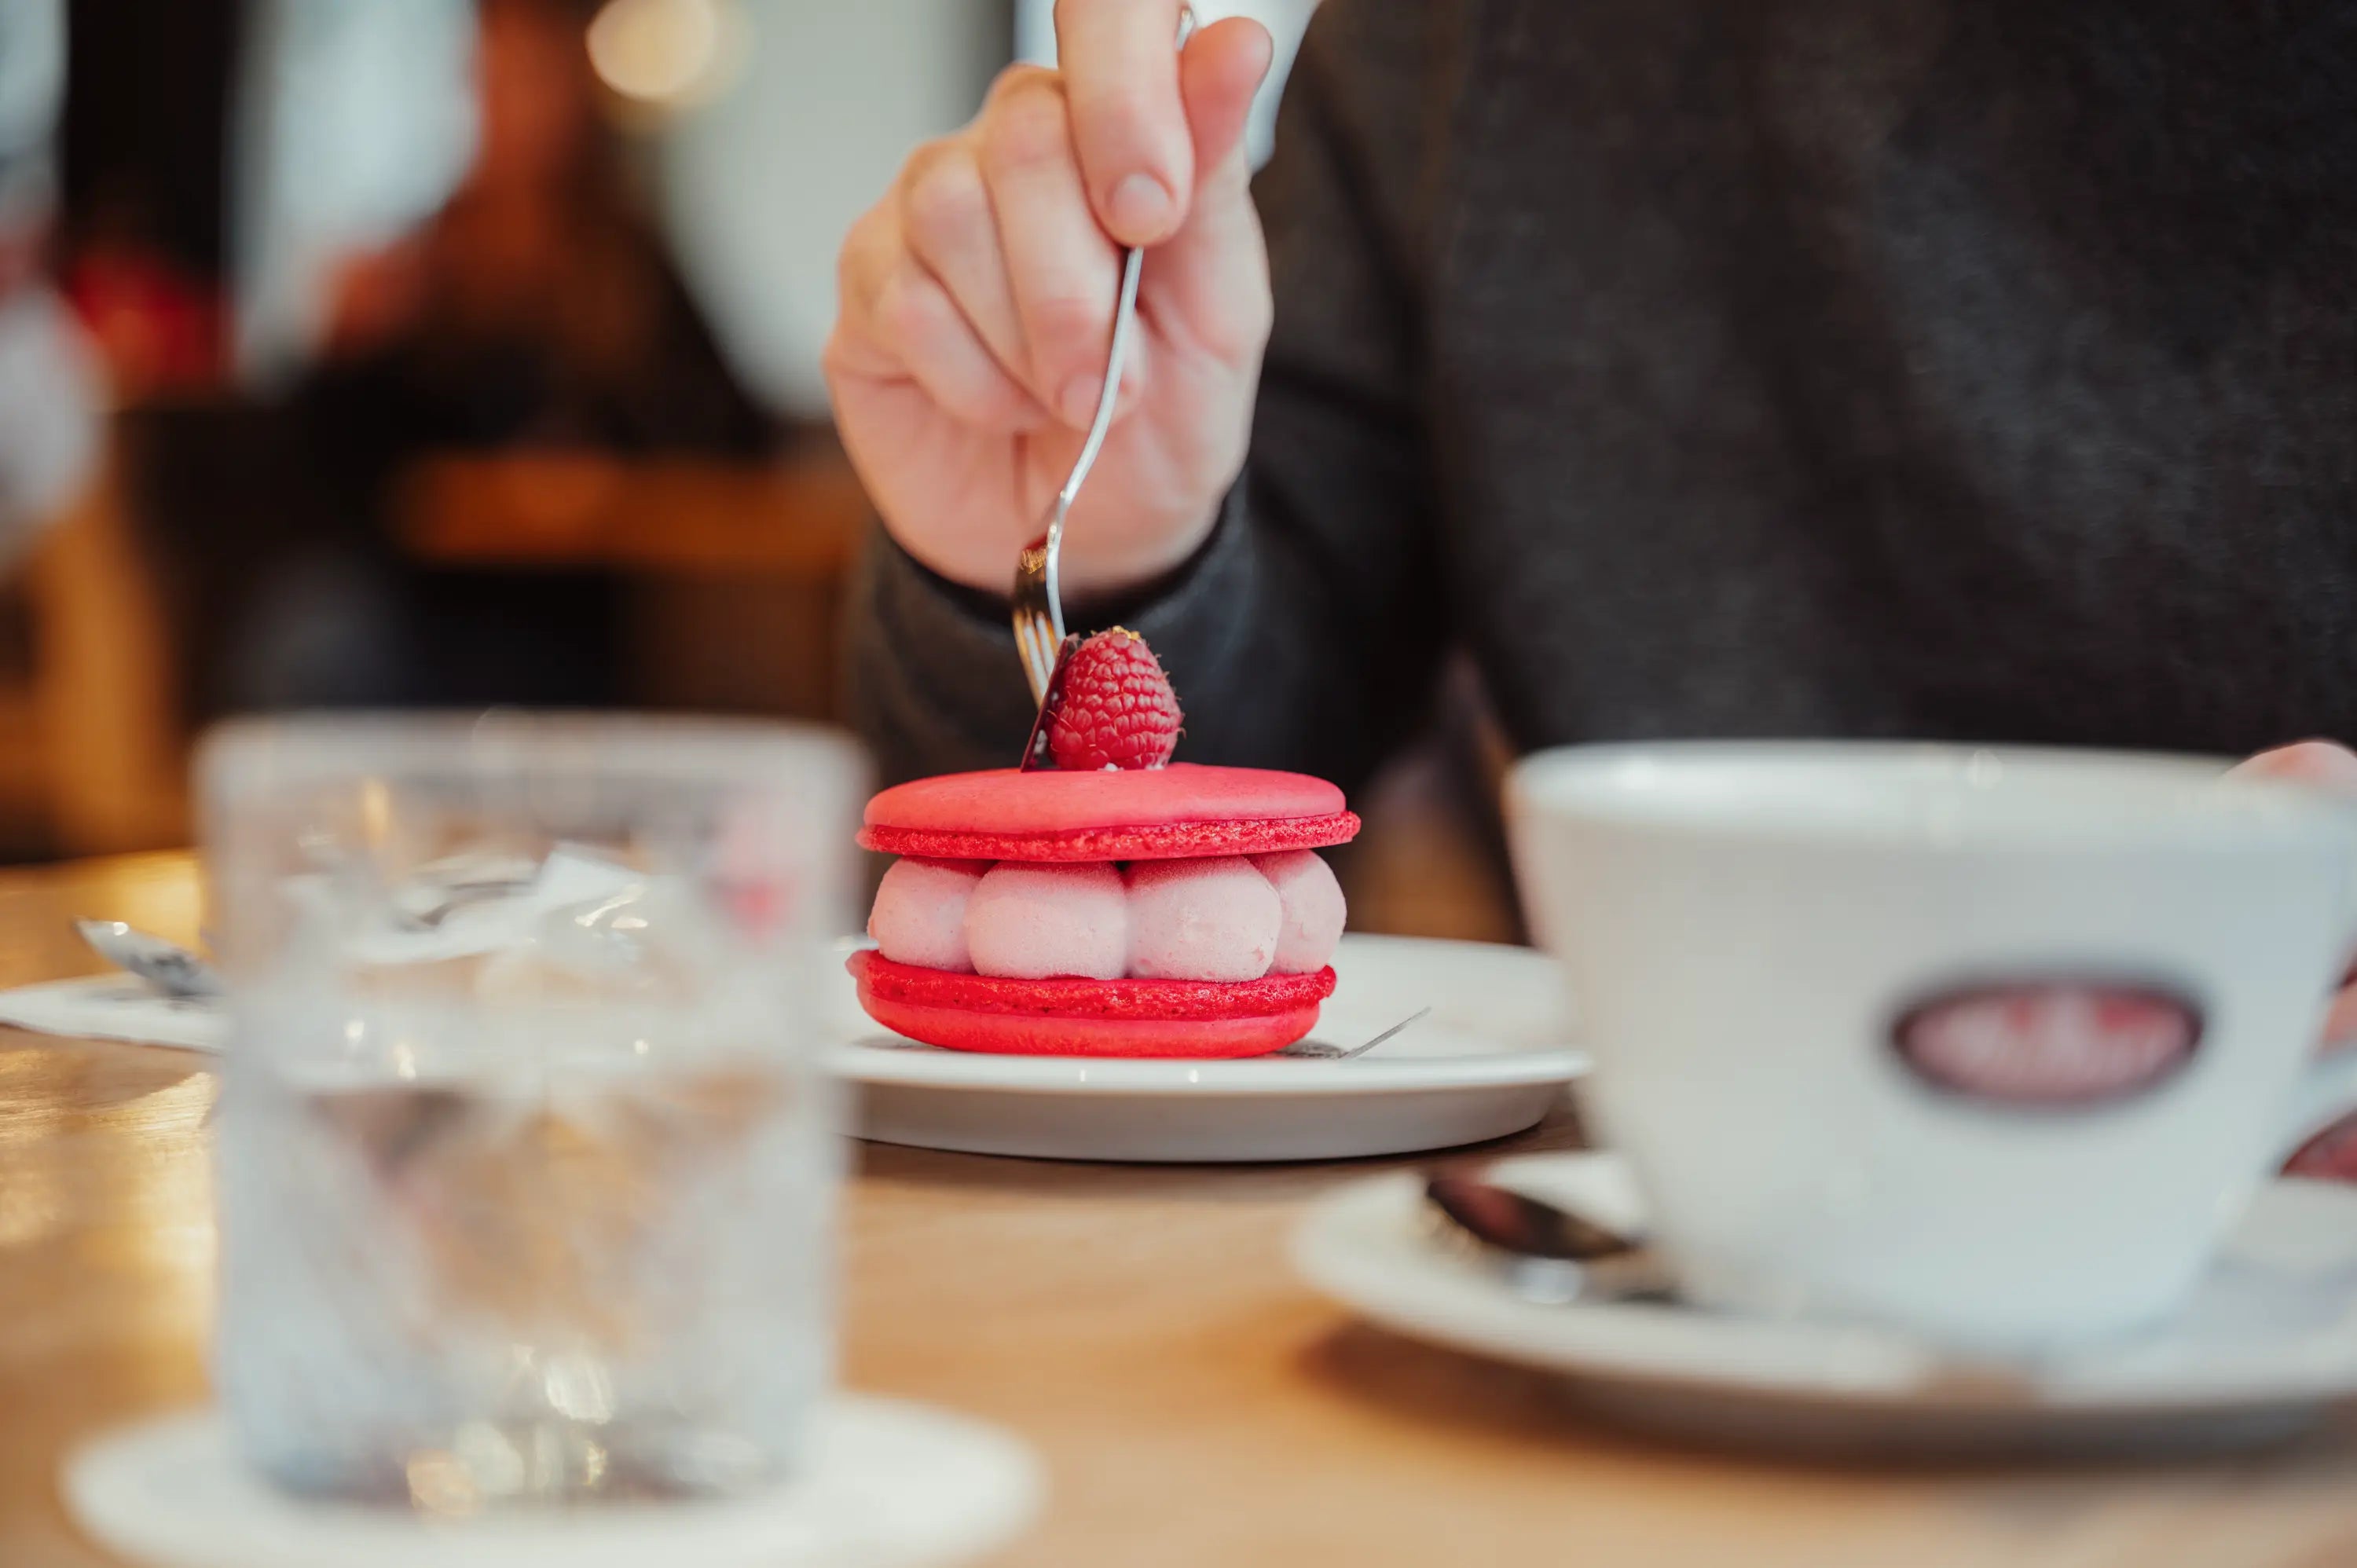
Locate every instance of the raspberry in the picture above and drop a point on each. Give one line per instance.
(1118, 709)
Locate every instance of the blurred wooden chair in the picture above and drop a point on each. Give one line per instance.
(98, 717)
(735, 575)
(24, 765)
(797, 519)
(735, 571)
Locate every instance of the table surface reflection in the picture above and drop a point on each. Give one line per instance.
(1195, 1405)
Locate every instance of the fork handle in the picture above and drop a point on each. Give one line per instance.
(1124, 328)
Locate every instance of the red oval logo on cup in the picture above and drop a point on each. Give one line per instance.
(2060, 1043)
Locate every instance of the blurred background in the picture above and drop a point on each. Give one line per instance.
(459, 352)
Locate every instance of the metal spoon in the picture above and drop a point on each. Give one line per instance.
(1037, 599)
(1545, 1253)
(171, 969)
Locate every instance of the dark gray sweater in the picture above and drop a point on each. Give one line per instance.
(1981, 371)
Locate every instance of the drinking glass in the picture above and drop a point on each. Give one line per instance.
(526, 1169)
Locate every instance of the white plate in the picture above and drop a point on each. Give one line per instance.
(2266, 1344)
(890, 1485)
(1488, 1061)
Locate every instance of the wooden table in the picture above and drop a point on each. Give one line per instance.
(1196, 1407)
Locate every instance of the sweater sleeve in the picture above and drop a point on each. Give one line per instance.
(1307, 631)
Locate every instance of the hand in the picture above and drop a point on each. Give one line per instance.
(977, 300)
(2331, 766)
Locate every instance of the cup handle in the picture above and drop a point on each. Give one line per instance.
(2326, 1092)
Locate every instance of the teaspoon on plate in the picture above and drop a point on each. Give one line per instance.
(169, 968)
(1551, 1256)
(1545, 1253)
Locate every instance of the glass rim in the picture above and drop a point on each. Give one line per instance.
(260, 755)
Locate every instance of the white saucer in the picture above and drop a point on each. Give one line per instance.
(893, 1485)
(2266, 1344)
(1488, 1061)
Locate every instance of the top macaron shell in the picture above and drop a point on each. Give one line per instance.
(1182, 811)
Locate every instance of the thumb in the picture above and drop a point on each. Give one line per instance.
(2319, 762)
(1221, 70)
(1214, 271)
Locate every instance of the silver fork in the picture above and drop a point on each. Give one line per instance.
(1037, 599)
(1038, 605)
(1319, 1051)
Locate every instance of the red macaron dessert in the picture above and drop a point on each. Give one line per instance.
(1114, 904)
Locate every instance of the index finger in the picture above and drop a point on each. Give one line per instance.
(1119, 60)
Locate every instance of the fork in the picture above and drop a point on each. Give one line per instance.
(1039, 603)
(1040, 640)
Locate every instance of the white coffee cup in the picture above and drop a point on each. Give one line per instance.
(1992, 1044)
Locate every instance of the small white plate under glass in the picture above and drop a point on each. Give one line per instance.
(1486, 1061)
(890, 1484)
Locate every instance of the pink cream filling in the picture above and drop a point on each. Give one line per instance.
(1228, 919)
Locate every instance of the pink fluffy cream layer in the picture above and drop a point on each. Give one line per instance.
(1232, 917)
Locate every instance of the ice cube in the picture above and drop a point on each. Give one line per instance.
(650, 940)
(419, 923)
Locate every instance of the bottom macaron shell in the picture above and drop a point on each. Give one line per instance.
(1023, 1034)
(1072, 1018)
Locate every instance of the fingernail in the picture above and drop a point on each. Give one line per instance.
(1078, 401)
(1141, 207)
